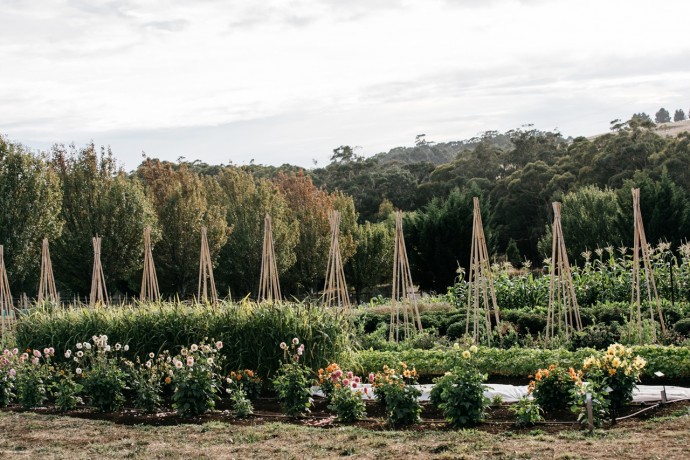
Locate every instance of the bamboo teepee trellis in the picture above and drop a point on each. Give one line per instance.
(635, 302)
(563, 312)
(99, 293)
(207, 285)
(269, 284)
(480, 282)
(6, 304)
(46, 285)
(335, 289)
(403, 296)
(149, 280)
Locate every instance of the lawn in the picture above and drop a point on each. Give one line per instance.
(35, 435)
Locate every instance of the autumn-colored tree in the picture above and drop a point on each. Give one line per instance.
(98, 199)
(184, 202)
(30, 202)
(310, 206)
(248, 200)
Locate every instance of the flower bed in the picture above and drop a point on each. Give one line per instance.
(192, 381)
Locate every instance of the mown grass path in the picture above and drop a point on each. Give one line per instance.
(31, 435)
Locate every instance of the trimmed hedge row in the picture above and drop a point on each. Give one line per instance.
(673, 361)
(251, 333)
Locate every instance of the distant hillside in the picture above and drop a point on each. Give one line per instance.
(441, 153)
(673, 129)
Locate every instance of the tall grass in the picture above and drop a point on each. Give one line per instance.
(251, 333)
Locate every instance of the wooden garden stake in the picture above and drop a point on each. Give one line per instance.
(46, 285)
(403, 296)
(335, 289)
(99, 293)
(641, 246)
(207, 285)
(149, 280)
(590, 411)
(563, 310)
(269, 284)
(481, 283)
(6, 304)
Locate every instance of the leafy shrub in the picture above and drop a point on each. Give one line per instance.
(598, 336)
(103, 379)
(617, 370)
(610, 312)
(551, 388)
(66, 392)
(527, 412)
(683, 327)
(241, 405)
(328, 378)
(456, 330)
(32, 379)
(600, 402)
(293, 381)
(394, 389)
(346, 399)
(8, 362)
(375, 340)
(196, 379)
(460, 393)
(425, 340)
(505, 335)
(147, 382)
(247, 381)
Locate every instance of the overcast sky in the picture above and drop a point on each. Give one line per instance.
(287, 81)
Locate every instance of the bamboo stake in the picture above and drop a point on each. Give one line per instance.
(563, 310)
(481, 283)
(335, 289)
(207, 285)
(403, 296)
(99, 293)
(640, 246)
(149, 280)
(46, 284)
(269, 283)
(6, 305)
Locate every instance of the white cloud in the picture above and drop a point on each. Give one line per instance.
(317, 74)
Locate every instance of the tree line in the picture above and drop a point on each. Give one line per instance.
(516, 184)
(70, 194)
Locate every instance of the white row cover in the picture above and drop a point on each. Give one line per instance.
(512, 393)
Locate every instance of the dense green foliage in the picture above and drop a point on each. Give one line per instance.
(72, 194)
(460, 392)
(250, 332)
(293, 380)
(394, 388)
(29, 193)
(673, 361)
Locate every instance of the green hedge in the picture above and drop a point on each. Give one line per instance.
(673, 361)
(251, 333)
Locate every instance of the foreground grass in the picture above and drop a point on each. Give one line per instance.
(30, 435)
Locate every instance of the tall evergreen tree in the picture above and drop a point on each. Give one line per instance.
(662, 116)
(99, 199)
(30, 204)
